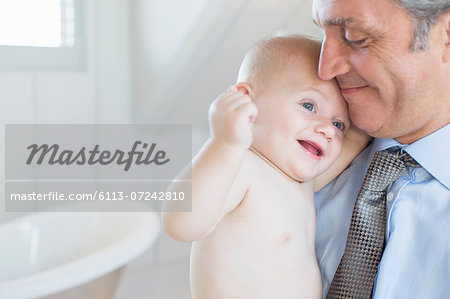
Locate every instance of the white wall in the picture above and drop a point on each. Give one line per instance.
(208, 52)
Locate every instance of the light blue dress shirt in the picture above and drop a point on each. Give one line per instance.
(416, 259)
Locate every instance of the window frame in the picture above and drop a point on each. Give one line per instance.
(27, 58)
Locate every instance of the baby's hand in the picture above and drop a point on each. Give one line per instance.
(230, 118)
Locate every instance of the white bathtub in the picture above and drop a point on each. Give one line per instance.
(47, 253)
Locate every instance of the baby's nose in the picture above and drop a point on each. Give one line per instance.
(326, 129)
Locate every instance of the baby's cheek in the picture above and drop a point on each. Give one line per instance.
(335, 150)
(339, 144)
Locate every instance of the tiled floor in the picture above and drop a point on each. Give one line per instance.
(160, 273)
(168, 281)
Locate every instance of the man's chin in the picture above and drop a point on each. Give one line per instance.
(372, 126)
(378, 131)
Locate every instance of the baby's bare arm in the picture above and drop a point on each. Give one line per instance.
(216, 185)
(355, 141)
(214, 172)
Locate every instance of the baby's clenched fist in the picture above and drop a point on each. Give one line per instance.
(230, 118)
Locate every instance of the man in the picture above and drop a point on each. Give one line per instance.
(391, 59)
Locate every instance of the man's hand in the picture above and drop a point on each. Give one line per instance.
(231, 116)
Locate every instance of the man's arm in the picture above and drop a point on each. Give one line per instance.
(217, 187)
(355, 141)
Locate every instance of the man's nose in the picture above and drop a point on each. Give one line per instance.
(333, 58)
(325, 128)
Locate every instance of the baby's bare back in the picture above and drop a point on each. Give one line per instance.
(264, 248)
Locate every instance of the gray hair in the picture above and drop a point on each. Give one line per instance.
(424, 14)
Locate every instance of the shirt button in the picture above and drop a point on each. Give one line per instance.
(390, 196)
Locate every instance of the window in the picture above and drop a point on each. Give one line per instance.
(39, 35)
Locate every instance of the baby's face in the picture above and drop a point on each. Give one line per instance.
(301, 122)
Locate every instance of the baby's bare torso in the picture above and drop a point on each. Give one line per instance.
(264, 248)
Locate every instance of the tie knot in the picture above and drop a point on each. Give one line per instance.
(385, 168)
(408, 160)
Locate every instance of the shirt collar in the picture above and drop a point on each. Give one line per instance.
(431, 152)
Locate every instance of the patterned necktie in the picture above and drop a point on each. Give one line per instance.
(356, 272)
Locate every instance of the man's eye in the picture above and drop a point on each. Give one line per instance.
(354, 38)
(338, 125)
(308, 106)
(356, 43)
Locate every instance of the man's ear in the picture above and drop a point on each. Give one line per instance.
(445, 19)
(247, 89)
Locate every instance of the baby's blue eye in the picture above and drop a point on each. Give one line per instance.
(308, 106)
(338, 125)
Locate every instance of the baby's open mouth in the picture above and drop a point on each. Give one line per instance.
(312, 147)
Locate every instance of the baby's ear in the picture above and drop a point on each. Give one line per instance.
(245, 88)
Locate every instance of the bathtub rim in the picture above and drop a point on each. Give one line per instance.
(86, 268)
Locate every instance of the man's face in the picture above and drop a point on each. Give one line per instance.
(301, 121)
(390, 90)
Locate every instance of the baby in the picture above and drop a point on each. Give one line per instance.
(273, 135)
